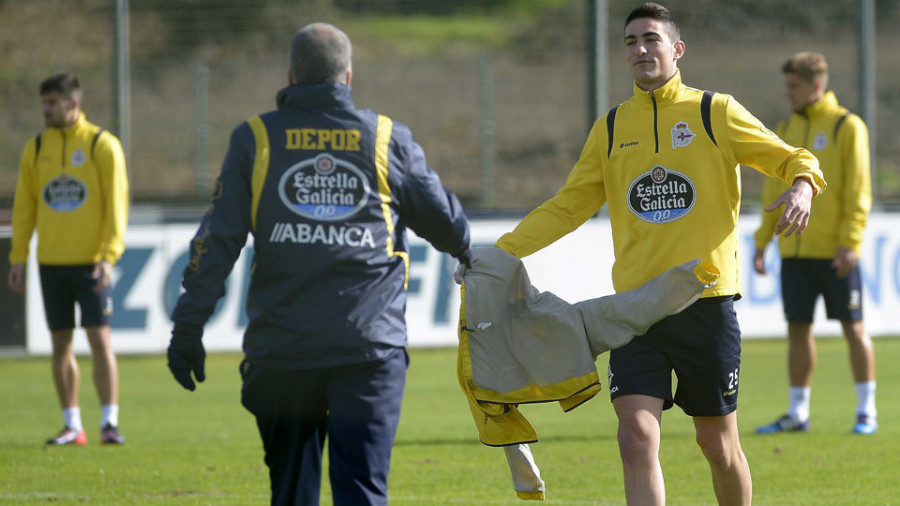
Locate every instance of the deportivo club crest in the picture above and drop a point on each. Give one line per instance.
(324, 188)
(681, 135)
(78, 157)
(820, 141)
(661, 195)
(64, 193)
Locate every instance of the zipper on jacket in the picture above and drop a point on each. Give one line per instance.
(655, 122)
(62, 132)
(806, 144)
(806, 139)
(797, 251)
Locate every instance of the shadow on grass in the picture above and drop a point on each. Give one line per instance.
(570, 438)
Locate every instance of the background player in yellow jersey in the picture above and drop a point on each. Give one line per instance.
(666, 164)
(825, 259)
(73, 189)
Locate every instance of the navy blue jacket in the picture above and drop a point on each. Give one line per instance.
(328, 191)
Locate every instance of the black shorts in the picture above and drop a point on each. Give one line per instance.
(804, 279)
(701, 344)
(63, 285)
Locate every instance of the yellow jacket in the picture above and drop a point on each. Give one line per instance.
(520, 345)
(73, 187)
(840, 140)
(670, 176)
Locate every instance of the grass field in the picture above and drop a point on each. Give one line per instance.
(202, 447)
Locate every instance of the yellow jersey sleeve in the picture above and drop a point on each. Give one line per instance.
(751, 143)
(25, 206)
(110, 160)
(856, 198)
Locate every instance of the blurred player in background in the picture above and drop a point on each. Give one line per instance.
(666, 163)
(73, 188)
(328, 191)
(825, 259)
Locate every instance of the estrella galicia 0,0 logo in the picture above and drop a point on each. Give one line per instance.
(661, 195)
(324, 188)
(64, 193)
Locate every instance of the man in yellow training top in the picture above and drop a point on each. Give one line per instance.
(825, 260)
(666, 164)
(73, 189)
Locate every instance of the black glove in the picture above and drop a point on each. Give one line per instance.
(465, 258)
(186, 354)
(465, 263)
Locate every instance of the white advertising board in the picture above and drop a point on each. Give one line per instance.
(577, 267)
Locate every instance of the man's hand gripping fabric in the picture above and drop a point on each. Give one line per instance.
(465, 263)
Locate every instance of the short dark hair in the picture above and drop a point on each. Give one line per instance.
(64, 83)
(807, 65)
(320, 53)
(659, 13)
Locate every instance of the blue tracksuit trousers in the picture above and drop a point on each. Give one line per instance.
(356, 407)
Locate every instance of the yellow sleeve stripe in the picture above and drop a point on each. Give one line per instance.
(382, 143)
(260, 164)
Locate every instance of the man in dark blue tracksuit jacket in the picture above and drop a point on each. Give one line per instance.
(328, 191)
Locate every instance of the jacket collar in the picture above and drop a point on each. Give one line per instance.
(820, 107)
(315, 96)
(79, 125)
(664, 95)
